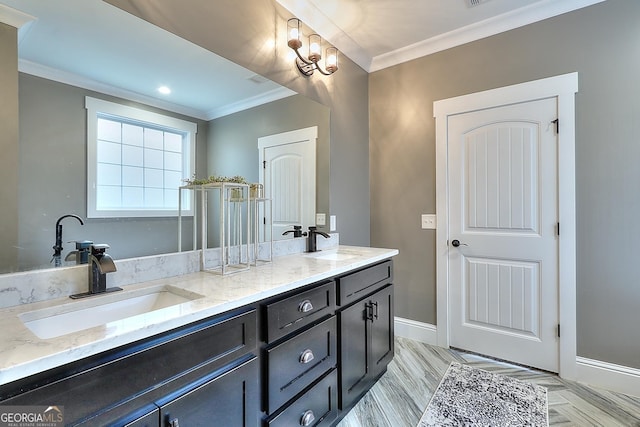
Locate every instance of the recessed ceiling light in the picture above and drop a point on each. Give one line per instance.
(164, 90)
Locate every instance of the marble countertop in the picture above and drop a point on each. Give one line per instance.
(22, 353)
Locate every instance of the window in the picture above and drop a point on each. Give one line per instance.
(136, 160)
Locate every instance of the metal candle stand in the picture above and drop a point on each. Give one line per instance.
(234, 202)
(262, 236)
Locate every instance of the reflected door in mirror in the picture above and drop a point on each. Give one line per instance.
(288, 163)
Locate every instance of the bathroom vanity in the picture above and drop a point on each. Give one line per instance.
(294, 342)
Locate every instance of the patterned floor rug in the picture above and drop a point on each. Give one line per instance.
(468, 396)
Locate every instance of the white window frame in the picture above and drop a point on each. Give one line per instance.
(95, 107)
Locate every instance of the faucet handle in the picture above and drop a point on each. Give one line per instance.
(99, 248)
(83, 245)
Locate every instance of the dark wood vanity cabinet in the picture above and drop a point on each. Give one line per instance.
(320, 392)
(302, 358)
(366, 332)
(206, 370)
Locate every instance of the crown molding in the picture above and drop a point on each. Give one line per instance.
(65, 77)
(14, 17)
(535, 12)
(254, 101)
(489, 27)
(39, 70)
(20, 20)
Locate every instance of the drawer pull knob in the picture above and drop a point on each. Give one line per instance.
(305, 306)
(307, 418)
(306, 356)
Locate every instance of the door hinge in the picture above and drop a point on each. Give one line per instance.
(557, 123)
(264, 164)
(558, 330)
(558, 228)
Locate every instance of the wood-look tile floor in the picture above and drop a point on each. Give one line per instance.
(402, 394)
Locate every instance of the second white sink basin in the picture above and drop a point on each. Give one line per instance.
(79, 315)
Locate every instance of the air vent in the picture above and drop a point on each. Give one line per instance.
(257, 79)
(474, 3)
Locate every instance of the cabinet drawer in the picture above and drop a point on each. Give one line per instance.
(296, 363)
(361, 283)
(228, 400)
(317, 407)
(289, 314)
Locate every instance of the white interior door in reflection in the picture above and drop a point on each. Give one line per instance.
(288, 173)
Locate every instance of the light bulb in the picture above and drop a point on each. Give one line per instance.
(293, 34)
(315, 47)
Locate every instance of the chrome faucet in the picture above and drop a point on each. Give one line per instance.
(311, 239)
(100, 263)
(57, 248)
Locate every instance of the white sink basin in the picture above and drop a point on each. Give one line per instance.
(83, 314)
(332, 256)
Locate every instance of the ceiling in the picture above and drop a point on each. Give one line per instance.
(377, 34)
(91, 44)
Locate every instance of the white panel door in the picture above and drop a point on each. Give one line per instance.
(503, 248)
(289, 178)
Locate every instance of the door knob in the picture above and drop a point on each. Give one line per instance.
(455, 243)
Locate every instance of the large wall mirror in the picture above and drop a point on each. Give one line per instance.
(79, 48)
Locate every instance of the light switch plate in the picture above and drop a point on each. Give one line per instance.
(321, 219)
(332, 223)
(428, 221)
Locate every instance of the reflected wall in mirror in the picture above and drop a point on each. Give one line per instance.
(52, 142)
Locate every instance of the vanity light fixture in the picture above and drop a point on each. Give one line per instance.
(310, 64)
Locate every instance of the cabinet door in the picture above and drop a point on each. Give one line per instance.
(381, 330)
(354, 346)
(366, 344)
(229, 400)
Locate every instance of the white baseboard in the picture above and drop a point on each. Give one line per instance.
(418, 331)
(610, 376)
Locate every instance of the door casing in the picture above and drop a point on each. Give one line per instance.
(563, 87)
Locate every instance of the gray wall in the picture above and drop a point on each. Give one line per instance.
(246, 31)
(233, 140)
(52, 170)
(8, 144)
(601, 43)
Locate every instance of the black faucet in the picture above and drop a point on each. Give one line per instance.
(57, 248)
(311, 239)
(297, 231)
(82, 252)
(100, 263)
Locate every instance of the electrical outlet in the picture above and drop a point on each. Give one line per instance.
(321, 219)
(428, 221)
(332, 223)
